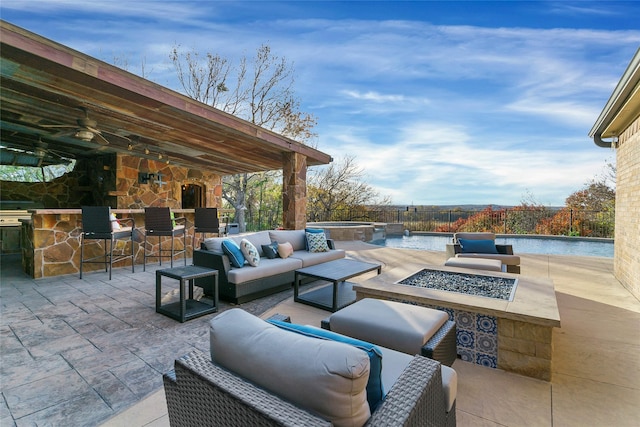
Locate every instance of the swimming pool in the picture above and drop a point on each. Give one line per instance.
(521, 245)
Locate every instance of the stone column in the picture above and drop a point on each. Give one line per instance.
(294, 191)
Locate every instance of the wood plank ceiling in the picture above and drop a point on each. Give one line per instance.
(49, 92)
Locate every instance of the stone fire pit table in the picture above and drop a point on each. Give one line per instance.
(514, 335)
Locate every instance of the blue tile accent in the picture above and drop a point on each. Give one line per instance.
(477, 335)
(487, 324)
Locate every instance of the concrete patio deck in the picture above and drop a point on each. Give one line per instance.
(91, 351)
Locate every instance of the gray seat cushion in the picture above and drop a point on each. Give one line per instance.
(323, 376)
(390, 324)
(312, 258)
(475, 263)
(505, 259)
(267, 267)
(394, 362)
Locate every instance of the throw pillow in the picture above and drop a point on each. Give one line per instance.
(250, 252)
(270, 250)
(478, 246)
(317, 242)
(285, 249)
(375, 392)
(310, 230)
(232, 250)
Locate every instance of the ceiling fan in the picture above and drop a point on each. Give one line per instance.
(86, 130)
(42, 151)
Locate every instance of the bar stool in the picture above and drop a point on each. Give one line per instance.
(206, 221)
(158, 222)
(99, 224)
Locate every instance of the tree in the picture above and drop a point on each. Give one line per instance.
(261, 93)
(587, 212)
(339, 186)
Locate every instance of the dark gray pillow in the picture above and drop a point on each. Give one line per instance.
(271, 250)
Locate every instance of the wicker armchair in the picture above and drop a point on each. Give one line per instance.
(199, 392)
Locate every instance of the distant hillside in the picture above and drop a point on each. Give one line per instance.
(468, 207)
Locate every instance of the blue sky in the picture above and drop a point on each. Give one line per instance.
(439, 102)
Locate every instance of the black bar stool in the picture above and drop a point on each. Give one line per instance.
(98, 224)
(158, 222)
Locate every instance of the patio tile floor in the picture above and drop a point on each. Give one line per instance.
(92, 351)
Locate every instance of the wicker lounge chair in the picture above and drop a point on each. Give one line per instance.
(199, 392)
(504, 253)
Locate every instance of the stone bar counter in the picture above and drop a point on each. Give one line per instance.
(50, 241)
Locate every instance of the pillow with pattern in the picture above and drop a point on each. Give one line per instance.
(317, 242)
(250, 252)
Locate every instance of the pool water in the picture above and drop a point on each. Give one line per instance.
(521, 245)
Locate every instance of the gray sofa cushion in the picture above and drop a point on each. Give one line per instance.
(214, 244)
(297, 238)
(268, 267)
(326, 377)
(312, 258)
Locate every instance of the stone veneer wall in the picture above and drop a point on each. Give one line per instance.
(112, 180)
(626, 259)
(132, 194)
(51, 243)
(294, 191)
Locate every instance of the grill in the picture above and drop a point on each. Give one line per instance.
(12, 211)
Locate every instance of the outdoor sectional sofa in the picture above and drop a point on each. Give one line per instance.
(280, 374)
(241, 284)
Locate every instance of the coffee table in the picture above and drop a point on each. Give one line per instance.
(337, 295)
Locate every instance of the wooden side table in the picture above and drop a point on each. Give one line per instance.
(187, 308)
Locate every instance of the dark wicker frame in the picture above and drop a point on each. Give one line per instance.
(96, 225)
(198, 392)
(205, 221)
(158, 222)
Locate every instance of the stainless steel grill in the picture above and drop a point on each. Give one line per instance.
(12, 211)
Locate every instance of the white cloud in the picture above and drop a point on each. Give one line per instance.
(450, 113)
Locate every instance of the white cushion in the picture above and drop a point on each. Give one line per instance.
(504, 258)
(395, 362)
(399, 326)
(475, 263)
(325, 377)
(250, 252)
(450, 385)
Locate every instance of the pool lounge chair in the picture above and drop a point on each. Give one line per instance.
(482, 245)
